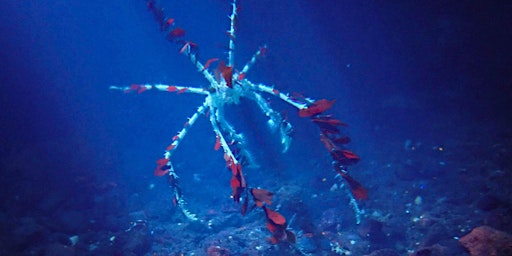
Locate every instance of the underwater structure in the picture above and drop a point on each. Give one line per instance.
(225, 86)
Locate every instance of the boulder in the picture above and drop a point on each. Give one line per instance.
(486, 241)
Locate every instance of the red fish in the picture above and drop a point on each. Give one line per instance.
(158, 14)
(209, 62)
(162, 161)
(245, 205)
(133, 87)
(175, 34)
(190, 47)
(276, 224)
(263, 51)
(142, 89)
(227, 73)
(162, 167)
(172, 88)
(350, 155)
(261, 196)
(159, 172)
(327, 142)
(217, 143)
(182, 90)
(274, 218)
(237, 182)
(341, 140)
(344, 157)
(356, 188)
(238, 185)
(328, 119)
(317, 107)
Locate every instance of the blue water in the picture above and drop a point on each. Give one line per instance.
(78, 159)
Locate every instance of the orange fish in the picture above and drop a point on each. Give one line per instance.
(237, 182)
(276, 224)
(261, 196)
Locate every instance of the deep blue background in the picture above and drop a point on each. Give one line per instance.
(420, 70)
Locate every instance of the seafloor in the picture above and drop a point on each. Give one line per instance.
(433, 194)
(426, 94)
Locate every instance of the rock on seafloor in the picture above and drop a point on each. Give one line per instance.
(487, 241)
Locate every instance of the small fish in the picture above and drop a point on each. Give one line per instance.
(328, 119)
(263, 51)
(172, 88)
(175, 34)
(317, 107)
(227, 73)
(182, 90)
(356, 188)
(209, 62)
(217, 143)
(276, 224)
(238, 186)
(169, 21)
(162, 167)
(171, 147)
(261, 196)
(341, 140)
(189, 47)
(237, 182)
(344, 157)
